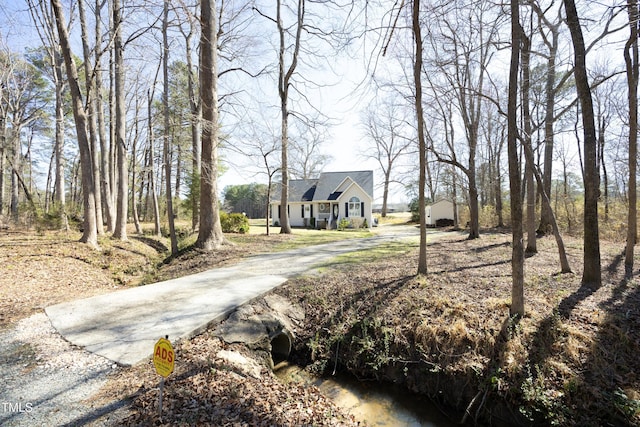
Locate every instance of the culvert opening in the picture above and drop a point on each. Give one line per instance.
(280, 347)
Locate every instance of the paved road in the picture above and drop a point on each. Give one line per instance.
(124, 325)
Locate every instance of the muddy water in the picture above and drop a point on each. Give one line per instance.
(372, 403)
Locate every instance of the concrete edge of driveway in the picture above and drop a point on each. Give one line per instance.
(124, 325)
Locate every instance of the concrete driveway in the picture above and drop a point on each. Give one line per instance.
(123, 326)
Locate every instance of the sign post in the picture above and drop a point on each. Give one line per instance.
(164, 360)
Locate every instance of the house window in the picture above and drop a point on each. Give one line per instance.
(354, 207)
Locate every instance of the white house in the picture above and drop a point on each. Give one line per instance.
(325, 201)
(440, 210)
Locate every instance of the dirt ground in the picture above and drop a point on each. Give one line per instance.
(40, 269)
(571, 361)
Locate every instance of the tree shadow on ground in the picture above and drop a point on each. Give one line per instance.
(603, 377)
(612, 369)
(157, 245)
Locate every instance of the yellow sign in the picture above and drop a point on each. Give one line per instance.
(163, 357)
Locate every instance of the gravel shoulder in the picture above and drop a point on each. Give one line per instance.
(47, 381)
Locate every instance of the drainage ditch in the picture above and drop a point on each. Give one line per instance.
(268, 325)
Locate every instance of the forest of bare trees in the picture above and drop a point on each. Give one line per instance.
(524, 114)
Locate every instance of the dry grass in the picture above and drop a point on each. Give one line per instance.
(572, 360)
(42, 269)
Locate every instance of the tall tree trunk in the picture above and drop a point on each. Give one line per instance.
(602, 127)
(454, 196)
(59, 190)
(417, 79)
(564, 262)
(497, 181)
(532, 246)
(166, 142)
(3, 141)
(110, 152)
(632, 67)
(269, 186)
(385, 191)
(134, 204)
(48, 190)
(196, 133)
(474, 209)
(210, 234)
(284, 80)
(550, 93)
(91, 117)
(122, 203)
(517, 250)
(90, 232)
(105, 181)
(16, 166)
(592, 274)
(151, 166)
(178, 170)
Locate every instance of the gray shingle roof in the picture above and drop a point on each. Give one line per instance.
(329, 182)
(300, 190)
(323, 188)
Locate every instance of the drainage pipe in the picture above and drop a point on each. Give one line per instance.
(281, 344)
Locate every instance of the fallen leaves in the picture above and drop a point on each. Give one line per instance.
(206, 389)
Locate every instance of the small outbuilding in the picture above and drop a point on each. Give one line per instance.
(441, 213)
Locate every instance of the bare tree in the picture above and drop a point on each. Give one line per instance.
(305, 158)
(517, 251)
(166, 129)
(285, 73)
(91, 116)
(550, 38)
(495, 128)
(591, 276)
(45, 24)
(532, 247)
(210, 234)
(463, 44)
(122, 204)
(25, 94)
(134, 168)
(150, 168)
(385, 126)
(632, 67)
(4, 113)
(422, 143)
(261, 144)
(90, 232)
(105, 160)
(196, 114)
(604, 99)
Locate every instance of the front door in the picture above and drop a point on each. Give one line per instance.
(336, 211)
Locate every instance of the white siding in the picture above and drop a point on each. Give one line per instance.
(442, 209)
(295, 215)
(356, 191)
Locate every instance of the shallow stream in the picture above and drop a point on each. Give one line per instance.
(373, 403)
